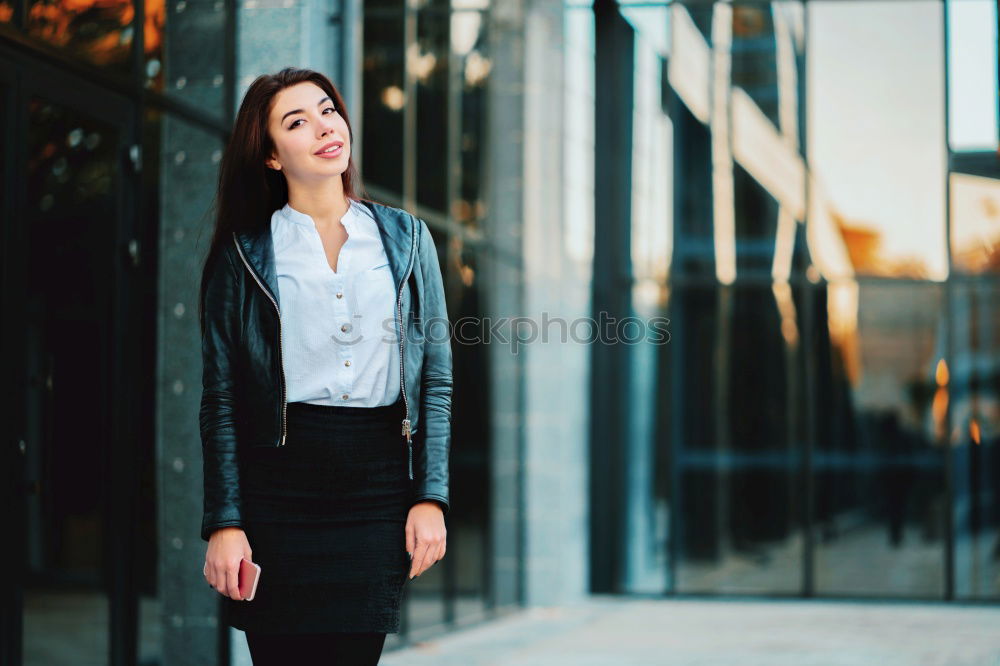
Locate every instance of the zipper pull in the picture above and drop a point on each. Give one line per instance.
(409, 447)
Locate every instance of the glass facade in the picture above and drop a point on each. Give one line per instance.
(106, 215)
(812, 194)
(425, 74)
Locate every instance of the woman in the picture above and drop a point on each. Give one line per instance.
(326, 411)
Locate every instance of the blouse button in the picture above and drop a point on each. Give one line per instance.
(345, 396)
(345, 327)
(347, 362)
(340, 294)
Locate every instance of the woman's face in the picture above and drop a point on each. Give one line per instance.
(303, 120)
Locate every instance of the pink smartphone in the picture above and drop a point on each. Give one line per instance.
(248, 577)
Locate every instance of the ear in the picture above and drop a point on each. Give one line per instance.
(273, 164)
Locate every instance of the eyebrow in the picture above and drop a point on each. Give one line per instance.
(293, 111)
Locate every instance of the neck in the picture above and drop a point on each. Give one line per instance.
(326, 205)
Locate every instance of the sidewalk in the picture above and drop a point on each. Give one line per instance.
(611, 631)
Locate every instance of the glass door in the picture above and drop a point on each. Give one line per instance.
(67, 285)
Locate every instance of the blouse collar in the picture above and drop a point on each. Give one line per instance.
(299, 217)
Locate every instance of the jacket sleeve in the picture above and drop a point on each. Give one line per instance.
(222, 503)
(432, 447)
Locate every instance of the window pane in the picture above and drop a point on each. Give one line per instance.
(975, 224)
(972, 74)
(431, 68)
(647, 475)
(975, 431)
(425, 598)
(880, 453)
(472, 78)
(468, 524)
(652, 147)
(382, 159)
(737, 393)
(754, 65)
(875, 119)
(72, 186)
(98, 32)
(156, 22)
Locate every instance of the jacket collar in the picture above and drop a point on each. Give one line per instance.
(397, 228)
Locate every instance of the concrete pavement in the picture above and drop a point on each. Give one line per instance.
(613, 631)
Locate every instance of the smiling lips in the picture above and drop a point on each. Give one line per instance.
(332, 149)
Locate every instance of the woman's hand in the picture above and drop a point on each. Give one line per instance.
(425, 536)
(226, 548)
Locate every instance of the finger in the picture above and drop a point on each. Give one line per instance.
(429, 557)
(232, 580)
(413, 563)
(436, 555)
(410, 539)
(440, 551)
(419, 555)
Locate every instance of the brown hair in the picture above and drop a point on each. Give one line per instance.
(248, 191)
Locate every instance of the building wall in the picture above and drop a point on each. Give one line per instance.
(557, 288)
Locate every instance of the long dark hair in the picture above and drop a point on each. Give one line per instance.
(248, 191)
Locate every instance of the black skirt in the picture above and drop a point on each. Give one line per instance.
(325, 516)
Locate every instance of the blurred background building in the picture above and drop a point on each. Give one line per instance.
(808, 190)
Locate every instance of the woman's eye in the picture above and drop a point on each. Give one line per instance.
(296, 123)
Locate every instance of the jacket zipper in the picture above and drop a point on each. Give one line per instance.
(402, 382)
(284, 405)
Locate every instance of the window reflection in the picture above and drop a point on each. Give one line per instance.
(879, 458)
(382, 72)
(875, 119)
(71, 187)
(470, 50)
(652, 144)
(468, 526)
(972, 74)
(877, 381)
(156, 19)
(648, 501)
(427, 596)
(975, 224)
(975, 437)
(754, 66)
(735, 406)
(101, 32)
(428, 60)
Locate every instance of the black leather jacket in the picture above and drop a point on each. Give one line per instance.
(243, 400)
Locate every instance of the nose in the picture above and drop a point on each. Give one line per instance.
(326, 125)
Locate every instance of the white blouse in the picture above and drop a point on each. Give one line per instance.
(338, 335)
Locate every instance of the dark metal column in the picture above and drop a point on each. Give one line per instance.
(613, 83)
